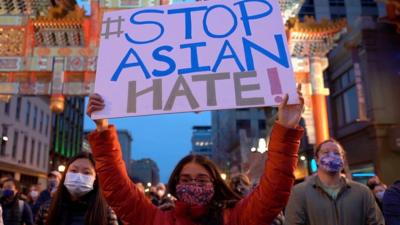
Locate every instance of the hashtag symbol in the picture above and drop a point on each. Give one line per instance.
(108, 24)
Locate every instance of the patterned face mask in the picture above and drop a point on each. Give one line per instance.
(331, 162)
(195, 194)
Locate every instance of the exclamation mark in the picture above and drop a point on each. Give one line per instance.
(275, 84)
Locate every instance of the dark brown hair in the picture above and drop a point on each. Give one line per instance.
(330, 140)
(223, 197)
(97, 210)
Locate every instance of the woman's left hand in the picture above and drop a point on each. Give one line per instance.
(289, 115)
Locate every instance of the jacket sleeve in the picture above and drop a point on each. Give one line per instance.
(27, 215)
(271, 195)
(374, 214)
(295, 211)
(130, 205)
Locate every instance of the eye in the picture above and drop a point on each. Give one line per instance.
(87, 172)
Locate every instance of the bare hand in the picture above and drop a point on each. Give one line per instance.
(96, 103)
(289, 115)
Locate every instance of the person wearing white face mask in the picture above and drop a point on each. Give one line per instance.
(330, 198)
(78, 199)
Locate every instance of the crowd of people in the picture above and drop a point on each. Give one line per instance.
(95, 188)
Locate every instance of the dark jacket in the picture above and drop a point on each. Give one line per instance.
(259, 208)
(391, 204)
(74, 215)
(14, 214)
(309, 204)
(43, 197)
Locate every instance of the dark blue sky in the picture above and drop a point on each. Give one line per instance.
(163, 138)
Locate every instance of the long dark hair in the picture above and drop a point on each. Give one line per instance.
(223, 197)
(97, 210)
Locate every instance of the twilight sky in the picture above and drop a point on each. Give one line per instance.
(163, 138)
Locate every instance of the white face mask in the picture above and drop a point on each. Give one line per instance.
(34, 194)
(78, 184)
(379, 195)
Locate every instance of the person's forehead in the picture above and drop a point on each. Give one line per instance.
(194, 169)
(81, 163)
(8, 184)
(330, 146)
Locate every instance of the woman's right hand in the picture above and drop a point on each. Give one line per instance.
(96, 103)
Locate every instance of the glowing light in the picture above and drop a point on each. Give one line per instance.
(61, 168)
(223, 176)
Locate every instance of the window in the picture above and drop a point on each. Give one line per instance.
(337, 9)
(39, 153)
(244, 125)
(3, 140)
(25, 146)
(32, 150)
(47, 124)
(262, 125)
(35, 112)
(368, 3)
(46, 154)
(307, 9)
(345, 99)
(7, 108)
(41, 121)
(369, 8)
(18, 111)
(336, 3)
(15, 145)
(28, 113)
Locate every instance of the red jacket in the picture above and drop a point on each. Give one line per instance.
(260, 207)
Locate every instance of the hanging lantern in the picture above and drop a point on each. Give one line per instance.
(57, 103)
(5, 98)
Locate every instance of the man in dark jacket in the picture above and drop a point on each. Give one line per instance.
(391, 204)
(53, 179)
(330, 199)
(15, 211)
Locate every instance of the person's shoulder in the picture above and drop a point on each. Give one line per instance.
(45, 192)
(308, 182)
(358, 186)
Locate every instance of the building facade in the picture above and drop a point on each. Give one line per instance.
(335, 9)
(67, 132)
(144, 171)
(25, 129)
(363, 77)
(236, 133)
(125, 140)
(202, 141)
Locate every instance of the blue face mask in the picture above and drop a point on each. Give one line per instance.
(7, 193)
(331, 162)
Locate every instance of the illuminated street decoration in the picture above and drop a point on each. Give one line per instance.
(309, 42)
(290, 8)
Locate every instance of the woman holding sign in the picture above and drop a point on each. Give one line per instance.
(203, 197)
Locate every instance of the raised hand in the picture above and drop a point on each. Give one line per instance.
(96, 103)
(289, 115)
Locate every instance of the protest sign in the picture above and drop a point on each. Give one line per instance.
(199, 56)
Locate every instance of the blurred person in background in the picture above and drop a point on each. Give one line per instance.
(15, 210)
(32, 195)
(53, 180)
(391, 204)
(78, 200)
(330, 198)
